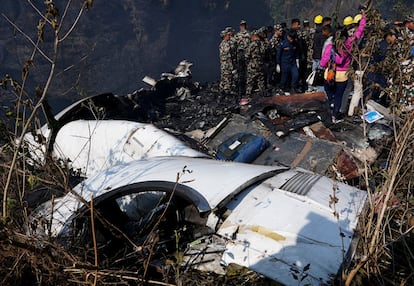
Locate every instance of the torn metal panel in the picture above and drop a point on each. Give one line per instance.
(321, 132)
(205, 254)
(378, 131)
(347, 166)
(350, 135)
(310, 243)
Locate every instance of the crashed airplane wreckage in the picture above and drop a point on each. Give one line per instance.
(272, 219)
(293, 128)
(273, 216)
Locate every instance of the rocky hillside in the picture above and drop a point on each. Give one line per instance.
(117, 43)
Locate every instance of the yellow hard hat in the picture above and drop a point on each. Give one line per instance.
(318, 19)
(357, 18)
(348, 20)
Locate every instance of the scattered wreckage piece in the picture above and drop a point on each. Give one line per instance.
(344, 144)
(321, 132)
(347, 166)
(242, 147)
(294, 150)
(91, 146)
(345, 163)
(385, 111)
(292, 105)
(275, 220)
(283, 114)
(283, 125)
(355, 141)
(379, 131)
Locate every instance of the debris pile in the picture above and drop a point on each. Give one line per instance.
(297, 128)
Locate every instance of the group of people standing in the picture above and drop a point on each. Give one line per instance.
(279, 59)
(266, 58)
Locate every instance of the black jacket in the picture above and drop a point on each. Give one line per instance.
(318, 41)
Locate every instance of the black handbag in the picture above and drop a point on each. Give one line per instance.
(319, 77)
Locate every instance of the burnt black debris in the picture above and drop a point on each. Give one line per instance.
(200, 110)
(185, 108)
(176, 104)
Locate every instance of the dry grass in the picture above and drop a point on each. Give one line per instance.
(387, 226)
(385, 254)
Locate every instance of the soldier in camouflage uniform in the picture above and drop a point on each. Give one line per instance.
(254, 58)
(243, 41)
(274, 43)
(302, 52)
(267, 60)
(276, 39)
(233, 44)
(307, 34)
(408, 33)
(227, 68)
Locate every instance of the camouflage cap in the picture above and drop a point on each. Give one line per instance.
(229, 29)
(409, 18)
(243, 22)
(278, 27)
(255, 32)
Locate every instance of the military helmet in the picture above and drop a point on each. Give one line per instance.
(409, 18)
(223, 33)
(357, 18)
(348, 20)
(243, 22)
(318, 19)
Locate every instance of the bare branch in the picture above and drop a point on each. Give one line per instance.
(74, 23)
(64, 13)
(38, 12)
(28, 38)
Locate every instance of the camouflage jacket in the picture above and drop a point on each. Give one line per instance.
(408, 35)
(255, 53)
(275, 42)
(226, 61)
(307, 36)
(233, 50)
(242, 39)
(303, 40)
(267, 50)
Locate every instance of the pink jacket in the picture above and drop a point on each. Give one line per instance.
(343, 58)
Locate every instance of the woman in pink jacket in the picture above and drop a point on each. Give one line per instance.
(341, 52)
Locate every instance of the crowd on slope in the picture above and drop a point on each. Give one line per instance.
(279, 59)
